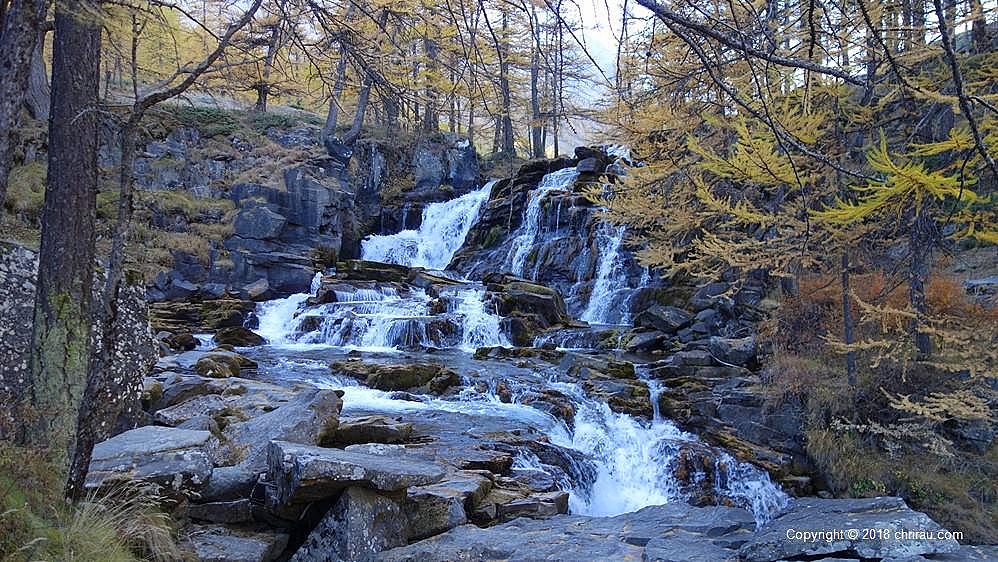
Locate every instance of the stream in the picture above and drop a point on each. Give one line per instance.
(624, 462)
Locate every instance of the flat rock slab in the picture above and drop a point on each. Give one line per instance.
(303, 473)
(221, 544)
(665, 532)
(848, 518)
(176, 458)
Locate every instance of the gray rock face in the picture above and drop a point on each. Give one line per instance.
(311, 416)
(445, 160)
(361, 524)
(260, 223)
(177, 459)
(734, 351)
(891, 517)
(667, 532)
(303, 473)
(220, 544)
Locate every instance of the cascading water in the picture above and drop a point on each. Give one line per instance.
(526, 238)
(610, 287)
(443, 230)
(626, 463)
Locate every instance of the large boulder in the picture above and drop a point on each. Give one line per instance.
(370, 429)
(668, 319)
(309, 418)
(304, 473)
(876, 528)
(444, 159)
(259, 222)
(360, 524)
(209, 405)
(175, 459)
(676, 531)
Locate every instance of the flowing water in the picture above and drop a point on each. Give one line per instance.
(629, 462)
(526, 237)
(440, 235)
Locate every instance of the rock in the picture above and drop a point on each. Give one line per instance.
(201, 316)
(218, 365)
(309, 418)
(259, 222)
(256, 291)
(405, 376)
(361, 270)
(229, 483)
(176, 459)
(183, 341)
(677, 530)
(210, 405)
(668, 319)
(733, 351)
(646, 341)
(370, 429)
(361, 524)
(221, 544)
(439, 507)
(236, 511)
(303, 473)
(238, 337)
(815, 515)
(589, 165)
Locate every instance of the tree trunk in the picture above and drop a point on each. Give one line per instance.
(920, 248)
(21, 26)
(536, 135)
(38, 96)
(263, 88)
(508, 141)
(329, 129)
(847, 322)
(60, 349)
(431, 115)
(358, 118)
(979, 28)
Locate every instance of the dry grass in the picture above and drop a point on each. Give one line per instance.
(121, 524)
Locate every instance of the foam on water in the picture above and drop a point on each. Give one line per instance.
(526, 236)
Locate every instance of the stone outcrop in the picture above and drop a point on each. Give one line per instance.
(177, 460)
(434, 378)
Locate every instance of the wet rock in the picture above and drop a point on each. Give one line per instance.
(209, 406)
(183, 341)
(309, 418)
(814, 514)
(431, 510)
(221, 544)
(238, 336)
(256, 291)
(201, 316)
(646, 341)
(361, 524)
(218, 365)
(674, 530)
(302, 473)
(361, 270)
(436, 378)
(370, 429)
(176, 459)
(668, 319)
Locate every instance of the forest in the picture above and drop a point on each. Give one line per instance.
(498, 280)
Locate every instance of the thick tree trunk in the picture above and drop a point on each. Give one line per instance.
(21, 26)
(103, 397)
(38, 97)
(61, 342)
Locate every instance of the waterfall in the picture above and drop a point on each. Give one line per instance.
(526, 238)
(441, 233)
(384, 319)
(611, 278)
